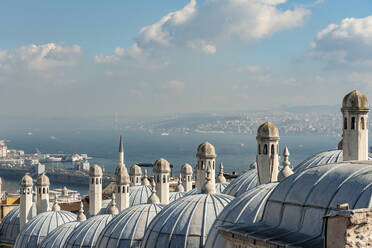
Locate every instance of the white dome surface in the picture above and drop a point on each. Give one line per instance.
(176, 195)
(245, 209)
(243, 183)
(139, 194)
(185, 222)
(220, 187)
(58, 237)
(9, 226)
(39, 227)
(86, 234)
(128, 228)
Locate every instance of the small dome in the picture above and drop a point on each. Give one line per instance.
(42, 180)
(86, 234)
(26, 181)
(9, 226)
(135, 170)
(206, 150)
(122, 176)
(243, 183)
(186, 222)
(95, 171)
(186, 169)
(128, 228)
(245, 209)
(34, 232)
(162, 166)
(355, 100)
(58, 237)
(267, 130)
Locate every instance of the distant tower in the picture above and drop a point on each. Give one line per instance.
(42, 191)
(135, 174)
(145, 179)
(267, 157)
(25, 191)
(221, 178)
(186, 174)
(95, 190)
(161, 174)
(286, 171)
(355, 126)
(206, 156)
(122, 190)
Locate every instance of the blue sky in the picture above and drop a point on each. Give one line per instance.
(145, 58)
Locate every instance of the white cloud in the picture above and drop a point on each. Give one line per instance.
(348, 43)
(174, 85)
(202, 45)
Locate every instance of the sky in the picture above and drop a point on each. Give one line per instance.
(151, 58)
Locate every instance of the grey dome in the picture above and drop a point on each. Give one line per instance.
(242, 184)
(323, 158)
(9, 226)
(185, 222)
(95, 171)
(355, 100)
(206, 150)
(128, 228)
(295, 209)
(58, 237)
(39, 227)
(42, 180)
(139, 194)
(86, 234)
(245, 209)
(161, 166)
(267, 130)
(135, 170)
(186, 169)
(26, 181)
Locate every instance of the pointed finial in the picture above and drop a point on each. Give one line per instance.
(113, 209)
(81, 216)
(56, 206)
(145, 180)
(286, 171)
(180, 187)
(153, 199)
(209, 187)
(121, 146)
(221, 178)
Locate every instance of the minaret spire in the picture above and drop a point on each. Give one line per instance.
(121, 150)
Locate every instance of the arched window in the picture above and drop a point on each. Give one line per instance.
(272, 149)
(353, 123)
(189, 178)
(137, 180)
(265, 150)
(164, 179)
(43, 190)
(157, 179)
(28, 191)
(39, 191)
(259, 149)
(362, 124)
(92, 180)
(97, 181)
(345, 123)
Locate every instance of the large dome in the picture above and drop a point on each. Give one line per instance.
(206, 150)
(128, 228)
(86, 234)
(185, 222)
(355, 100)
(243, 183)
(39, 227)
(58, 237)
(245, 209)
(294, 211)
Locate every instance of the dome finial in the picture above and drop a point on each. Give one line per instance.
(180, 187)
(113, 209)
(221, 178)
(209, 187)
(81, 216)
(145, 180)
(286, 171)
(56, 206)
(153, 199)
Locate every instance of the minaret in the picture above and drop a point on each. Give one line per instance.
(286, 171)
(113, 209)
(267, 157)
(153, 199)
(209, 186)
(121, 150)
(206, 156)
(135, 174)
(81, 216)
(122, 189)
(355, 126)
(161, 174)
(95, 190)
(179, 187)
(221, 178)
(42, 192)
(186, 174)
(145, 179)
(25, 191)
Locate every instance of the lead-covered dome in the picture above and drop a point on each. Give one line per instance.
(86, 234)
(267, 130)
(128, 228)
(42, 180)
(173, 196)
(206, 150)
(39, 227)
(95, 171)
(139, 194)
(243, 183)
(186, 169)
(162, 166)
(355, 100)
(185, 222)
(245, 209)
(58, 237)
(26, 181)
(135, 170)
(9, 226)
